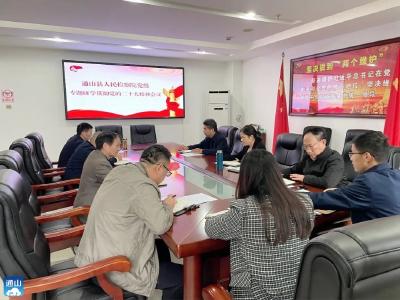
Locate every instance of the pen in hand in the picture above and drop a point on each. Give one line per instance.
(170, 201)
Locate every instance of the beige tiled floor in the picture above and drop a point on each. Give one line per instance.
(68, 253)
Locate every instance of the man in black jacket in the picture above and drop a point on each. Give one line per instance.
(320, 166)
(83, 133)
(213, 141)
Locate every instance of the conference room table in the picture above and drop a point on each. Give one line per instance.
(205, 260)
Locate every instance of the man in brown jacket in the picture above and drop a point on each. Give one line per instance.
(125, 217)
(97, 166)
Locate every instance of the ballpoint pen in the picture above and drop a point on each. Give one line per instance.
(186, 209)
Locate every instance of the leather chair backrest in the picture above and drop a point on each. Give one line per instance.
(237, 143)
(361, 261)
(110, 128)
(10, 159)
(143, 134)
(394, 157)
(328, 132)
(349, 173)
(23, 247)
(229, 133)
(288, 149)
(25, 148)
(38, 143)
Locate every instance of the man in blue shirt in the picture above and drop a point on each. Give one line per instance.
(374, 193)
(213, 141)
(83, 133)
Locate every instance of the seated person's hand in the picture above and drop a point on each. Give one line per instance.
(182, 147)
(329, 189)
(119, 156)
(297, 177)
(197, 150)
(170, 201)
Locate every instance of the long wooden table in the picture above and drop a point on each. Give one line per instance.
(187, 238)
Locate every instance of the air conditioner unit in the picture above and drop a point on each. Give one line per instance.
(218, 107)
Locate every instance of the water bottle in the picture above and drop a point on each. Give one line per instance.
(219, 157)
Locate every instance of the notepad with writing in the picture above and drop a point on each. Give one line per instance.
(185, 201)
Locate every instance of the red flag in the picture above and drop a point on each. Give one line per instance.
(281, 116)
(392, 123)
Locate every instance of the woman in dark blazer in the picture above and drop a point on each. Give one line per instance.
(251, 139)
(268, 226)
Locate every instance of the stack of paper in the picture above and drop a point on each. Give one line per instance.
(185, 151)
(233, 163)
(188, 200)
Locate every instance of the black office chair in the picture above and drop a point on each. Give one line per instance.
(53, 195)
(394, 157)
(110, 128)
(349, 173)
(328, 132)
(356, 262)
(143, 134)
(25, 251)
(229, 133)
(38, 144)
(10, 159)
(288, 149)
(237, 143)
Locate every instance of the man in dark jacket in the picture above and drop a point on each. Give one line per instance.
(375, 192)
(213, 141)
(83, 133)
(75, 163)
(320, 166)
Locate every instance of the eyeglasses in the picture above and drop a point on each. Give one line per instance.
(169, 173)
(353, 153)
(309, 146)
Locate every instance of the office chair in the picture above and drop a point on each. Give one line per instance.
(26, 251)
(356, 262)
(349, 173)
(143, 134)
(229, 134)
(394, 157)
(288, 150)
(111, 128)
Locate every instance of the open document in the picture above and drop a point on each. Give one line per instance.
(186, 201)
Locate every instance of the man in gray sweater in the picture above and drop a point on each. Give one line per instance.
(320, 166)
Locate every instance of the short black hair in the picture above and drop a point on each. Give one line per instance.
(105, 137)
(319, 132)
(155, 153)
(83, 127)
(375, 143)
(210, 123)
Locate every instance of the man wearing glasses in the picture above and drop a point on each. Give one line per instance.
(125, 218)
(320, 166)
(374, 193)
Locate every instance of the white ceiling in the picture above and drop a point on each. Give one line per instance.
(189, 25)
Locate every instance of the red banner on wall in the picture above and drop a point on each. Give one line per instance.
(353, 82)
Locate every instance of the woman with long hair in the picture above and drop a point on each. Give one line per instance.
(251, 139)
(268, 226)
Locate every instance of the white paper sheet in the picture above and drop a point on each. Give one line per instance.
(188, 200)
(189, 154)
(233, 169)
(184, 151)
(288, 181)
(233, 163)
(121, 162)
